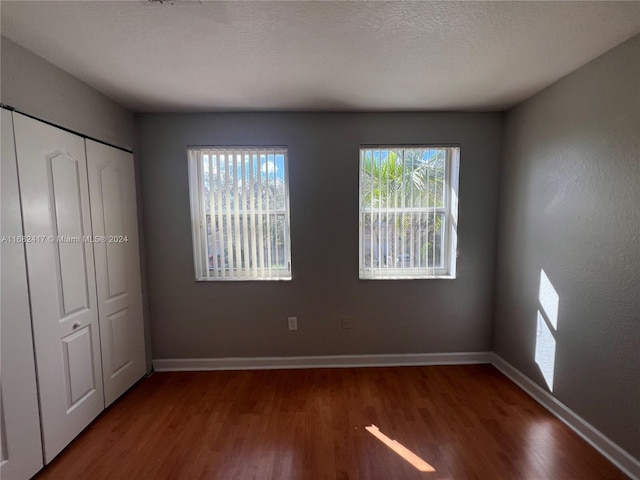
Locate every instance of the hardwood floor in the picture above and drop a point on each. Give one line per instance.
(467, 422)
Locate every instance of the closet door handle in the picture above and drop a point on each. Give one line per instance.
(76, 325)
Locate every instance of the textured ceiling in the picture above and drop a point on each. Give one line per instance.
(197, 56)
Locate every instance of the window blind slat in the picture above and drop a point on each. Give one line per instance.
(379, 211)
(424, 233)
(203, 219)
(361, 236)
(222, 260)
(371, 225)
(287, 220)
(194, 160)
(252, 205)
(227, 214)
(432, 213)
(260, 217)
(245, 225)
(396, 226)
(268, 213)
(403, 264)
(385, 260)
(236, 215)
(212, 222)
(274, 215)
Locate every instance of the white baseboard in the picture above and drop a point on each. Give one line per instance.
(320, 361)
(619, 457)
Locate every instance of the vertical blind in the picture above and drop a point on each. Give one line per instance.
(406, 219)
(240, 213)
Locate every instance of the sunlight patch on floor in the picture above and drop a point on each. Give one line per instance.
(401, 450)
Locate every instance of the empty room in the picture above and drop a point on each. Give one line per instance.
(300, 240)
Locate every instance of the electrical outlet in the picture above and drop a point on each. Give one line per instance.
(293, 323)
(346, 322)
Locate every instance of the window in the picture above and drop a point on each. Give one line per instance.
(408, 212)
(240, 213)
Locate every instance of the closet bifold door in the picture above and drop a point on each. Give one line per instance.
(52, 172)
(20, 444)
(115, 228)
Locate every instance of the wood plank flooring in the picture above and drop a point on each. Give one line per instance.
(467, 422)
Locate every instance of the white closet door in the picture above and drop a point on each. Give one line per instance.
(55, 201)
(21, 447)
(114, 219)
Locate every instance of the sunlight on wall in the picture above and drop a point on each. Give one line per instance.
(549, 299)
(546, 328)
(545, 350)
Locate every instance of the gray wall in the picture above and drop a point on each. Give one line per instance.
(220, 319)
(570, 205)
(41, 89)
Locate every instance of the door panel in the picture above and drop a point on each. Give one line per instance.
(78, 365)
(114, 220)
(21, 445)
(71, 265)
(120, 345)
(55, 199)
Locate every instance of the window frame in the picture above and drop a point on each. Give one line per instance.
(199, 224)
(449, 210)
